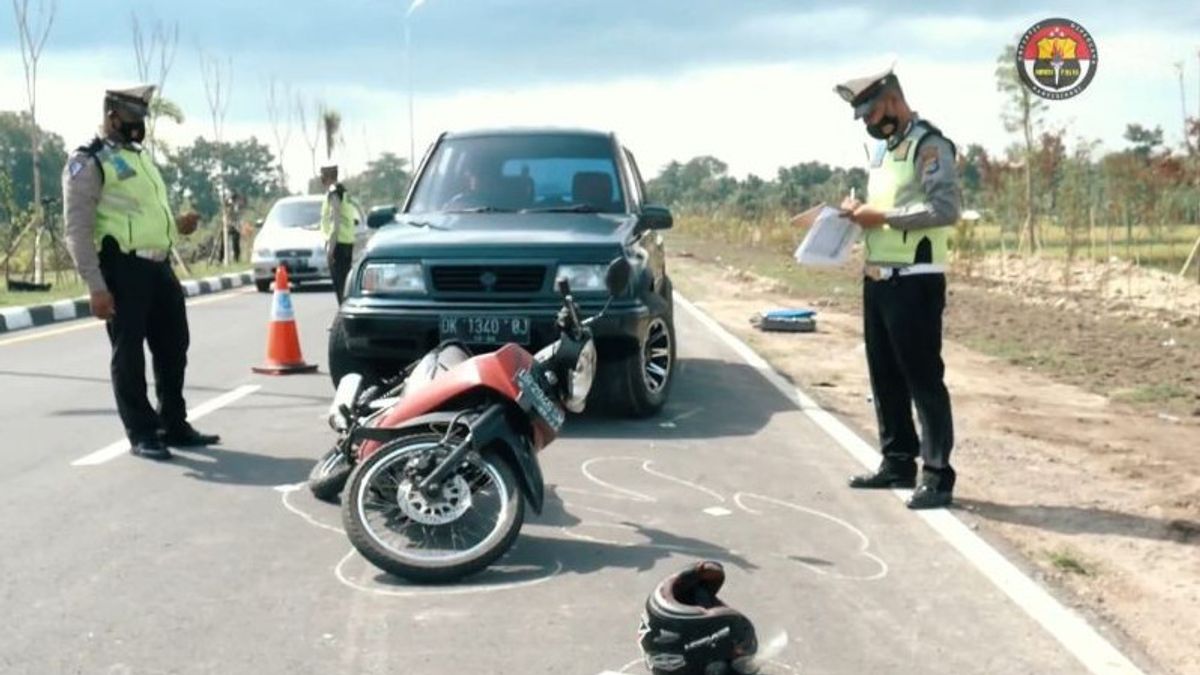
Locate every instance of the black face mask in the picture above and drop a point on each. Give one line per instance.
(885, 129)
(131, 132)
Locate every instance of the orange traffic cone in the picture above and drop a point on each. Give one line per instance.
(283, 344)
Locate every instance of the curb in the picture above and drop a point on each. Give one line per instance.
(20, 318)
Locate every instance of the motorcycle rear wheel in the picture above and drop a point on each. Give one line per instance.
(374, 520)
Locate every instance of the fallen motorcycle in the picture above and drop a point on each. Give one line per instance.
(442, 472)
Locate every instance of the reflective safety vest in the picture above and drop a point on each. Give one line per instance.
(894, 183)
(345, 232)
(133, 207)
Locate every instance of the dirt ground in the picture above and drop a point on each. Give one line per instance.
(1077, 415)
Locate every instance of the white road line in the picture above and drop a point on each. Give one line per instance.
(115, 450)
(1071, 630)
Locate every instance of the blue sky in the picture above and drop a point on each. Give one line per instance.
(747, 80)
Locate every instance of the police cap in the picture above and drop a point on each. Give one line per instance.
(131, 100)
(861, 92)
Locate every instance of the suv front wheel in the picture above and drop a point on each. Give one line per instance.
(640, 382)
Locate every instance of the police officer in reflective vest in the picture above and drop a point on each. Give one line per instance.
(912, 203)
(338, 218)
(120, 231)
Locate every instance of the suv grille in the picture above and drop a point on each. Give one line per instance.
(488, 278)
(294, 253)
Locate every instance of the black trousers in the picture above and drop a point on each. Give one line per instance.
(339, 268)
(150, 309)
(902, 325)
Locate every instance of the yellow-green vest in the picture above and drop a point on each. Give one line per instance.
(894, 183)
(133, 207)
(345, 233)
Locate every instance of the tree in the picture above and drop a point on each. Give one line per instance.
(970, 170)
(1143, 140)
(331, 124)
(216, 92)
(279, 112)
(156, 49)
(385, 181)
(1022, 113)
(313, 140)
(17, 131)
(193, 172)
(33, 34)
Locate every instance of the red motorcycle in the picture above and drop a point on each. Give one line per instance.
(443, 469)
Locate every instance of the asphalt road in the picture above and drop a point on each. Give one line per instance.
(215, 562)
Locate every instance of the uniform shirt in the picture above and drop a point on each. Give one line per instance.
(939, 180)
(82, 183)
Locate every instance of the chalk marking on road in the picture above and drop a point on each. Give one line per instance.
(864, 540)
(287, 490)
(718, 511)
(629, 495)
(115, 450)
(1071, 630)
(88, 322)
(610, 514)
(699, 488)
(438, 592)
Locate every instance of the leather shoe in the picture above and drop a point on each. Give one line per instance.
(936, 489)
(150, 449)
(188, 437)
(929, 497)
(890, 474)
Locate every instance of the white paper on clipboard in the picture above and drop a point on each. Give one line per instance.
(829, 239)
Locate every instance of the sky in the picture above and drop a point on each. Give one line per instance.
(748, 81)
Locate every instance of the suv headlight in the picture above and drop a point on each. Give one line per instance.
(393, 278)
(583, 277)
(264, 253)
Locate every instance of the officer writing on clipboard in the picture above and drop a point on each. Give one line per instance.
(912, 202)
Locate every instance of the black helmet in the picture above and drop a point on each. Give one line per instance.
(686, 630)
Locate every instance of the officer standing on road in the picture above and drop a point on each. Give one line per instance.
(337, 224)
(912, 202)
(120, 231)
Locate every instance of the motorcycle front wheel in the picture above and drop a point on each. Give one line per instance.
(475, 518)
(329, 475)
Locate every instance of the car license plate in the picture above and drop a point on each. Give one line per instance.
(535, 397)
(295, 264)
(486, 330)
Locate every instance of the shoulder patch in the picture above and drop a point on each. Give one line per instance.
(928, 160)
(74, 167)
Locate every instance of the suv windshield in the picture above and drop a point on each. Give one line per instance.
(294, 214)
(534, 172)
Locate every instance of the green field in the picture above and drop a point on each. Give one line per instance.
(73, 287)
(1164, 247)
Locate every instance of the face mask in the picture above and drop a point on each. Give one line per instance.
(887, 126)
(131, 132)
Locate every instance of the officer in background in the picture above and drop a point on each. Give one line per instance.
(912, 202)
(120, 231)
(338, 218)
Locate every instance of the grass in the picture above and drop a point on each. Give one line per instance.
(1068, 562)
(73, 287)
(1154, 393)
(1164, 247)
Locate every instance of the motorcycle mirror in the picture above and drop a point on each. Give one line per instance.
(617, 276)
(563, 286)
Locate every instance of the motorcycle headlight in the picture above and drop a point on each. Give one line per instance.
(393, 278)
(584, 277)
(582, 376)
(347, 391)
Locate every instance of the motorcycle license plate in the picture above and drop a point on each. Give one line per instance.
(534, 396)
(485, 330)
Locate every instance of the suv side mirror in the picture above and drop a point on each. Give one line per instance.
(654, 217)
(381, 215)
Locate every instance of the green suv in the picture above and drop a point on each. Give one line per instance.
(491, 222)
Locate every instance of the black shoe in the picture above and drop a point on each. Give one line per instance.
(936, 490)
(150, 449)
(890, 474)
(188, 437)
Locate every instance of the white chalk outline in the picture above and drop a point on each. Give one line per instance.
(1070, 629)
(864, 540)
(627, 495)
(118, 448)
(439, 591)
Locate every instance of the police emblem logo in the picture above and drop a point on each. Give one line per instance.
(1056, 58)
